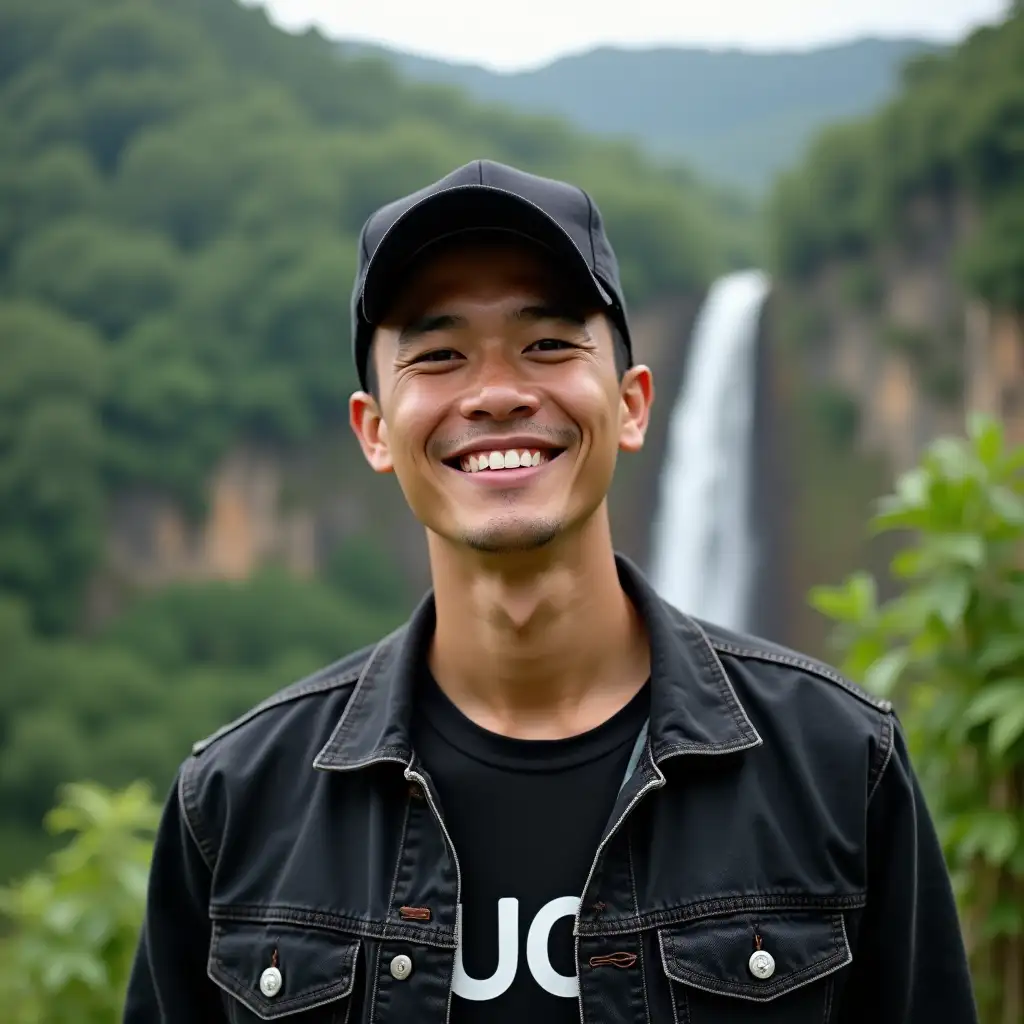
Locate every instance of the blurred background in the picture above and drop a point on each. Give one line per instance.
(819, 214)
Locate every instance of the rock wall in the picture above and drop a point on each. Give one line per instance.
(897, 344)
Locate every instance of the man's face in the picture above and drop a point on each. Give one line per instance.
(499, 407)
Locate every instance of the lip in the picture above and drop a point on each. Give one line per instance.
(504, 478)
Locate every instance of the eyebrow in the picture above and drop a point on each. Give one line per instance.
(537, 313)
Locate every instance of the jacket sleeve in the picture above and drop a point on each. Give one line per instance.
(168, 982)
(909, 962)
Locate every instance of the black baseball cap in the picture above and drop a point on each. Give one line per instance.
(483, 196)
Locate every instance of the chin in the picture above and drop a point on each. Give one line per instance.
(506, 536)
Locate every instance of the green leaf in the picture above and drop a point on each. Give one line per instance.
(1006, 730)
(959, 548)
(912, 487)
(986, 433)
(951, 457)
(995, 700)
(908, 564)
(1008, 506)
(948, 598)
(881, 678)
(992, 834)
(853, 601)
(1001, 651)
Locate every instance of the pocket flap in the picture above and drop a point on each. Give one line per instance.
(714, 954)
(315, 967)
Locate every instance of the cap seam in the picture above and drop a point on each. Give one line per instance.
(590, 229)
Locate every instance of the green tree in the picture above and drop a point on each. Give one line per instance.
(70, 929)
(952, 138)
(949, 650)
(51, 497)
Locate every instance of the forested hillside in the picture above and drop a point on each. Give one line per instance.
(737, 117)
(181, 186)
(954, 134)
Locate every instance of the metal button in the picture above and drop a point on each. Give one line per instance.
(270, 982)
(401, 967)
(762, 964)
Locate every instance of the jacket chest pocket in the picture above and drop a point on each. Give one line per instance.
(283, 972)
(755, 968)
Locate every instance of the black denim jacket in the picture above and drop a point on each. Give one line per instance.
(302, 872)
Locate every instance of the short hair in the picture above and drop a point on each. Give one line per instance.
(623, 358)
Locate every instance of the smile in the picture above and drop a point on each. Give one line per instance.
(503, 460)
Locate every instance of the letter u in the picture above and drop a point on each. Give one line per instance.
(482, 989)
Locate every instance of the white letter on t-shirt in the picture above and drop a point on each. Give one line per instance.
(537, 947)
(482, 989)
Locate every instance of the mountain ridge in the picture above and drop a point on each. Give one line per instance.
(737, 116)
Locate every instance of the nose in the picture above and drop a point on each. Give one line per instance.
(499, 397)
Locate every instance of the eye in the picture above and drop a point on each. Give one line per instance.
(438, 355)
(551, 345)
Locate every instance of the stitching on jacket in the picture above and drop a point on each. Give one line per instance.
(187, 795)
(688, 913)
(815, 668)
(636, 910)
(359, 678)
(295, 692)
(337, 924)
(886, 741)
(738, 712)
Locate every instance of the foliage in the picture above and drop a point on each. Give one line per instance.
(129, 702)
(949, 649)
(956, 129)
(68, 932)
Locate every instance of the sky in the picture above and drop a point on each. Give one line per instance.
(519, 34)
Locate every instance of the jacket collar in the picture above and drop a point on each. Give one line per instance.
(694, 708)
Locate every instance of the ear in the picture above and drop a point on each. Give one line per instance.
(636, 396)
(367, 422)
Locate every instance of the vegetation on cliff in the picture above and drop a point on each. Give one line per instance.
(954, 135)
(181, 186)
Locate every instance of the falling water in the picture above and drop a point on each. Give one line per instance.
(703, 549)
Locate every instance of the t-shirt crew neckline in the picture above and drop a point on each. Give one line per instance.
(527, 755)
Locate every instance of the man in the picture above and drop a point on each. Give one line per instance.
(550, 797)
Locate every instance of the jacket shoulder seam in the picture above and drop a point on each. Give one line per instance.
(186, 796)
(297, 691)
(809, 665)
(885, 747)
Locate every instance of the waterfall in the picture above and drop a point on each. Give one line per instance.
(703, 547)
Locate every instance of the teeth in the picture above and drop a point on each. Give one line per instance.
(511, 459)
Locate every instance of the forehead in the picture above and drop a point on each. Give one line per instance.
(487, 269)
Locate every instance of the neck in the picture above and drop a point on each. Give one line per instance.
(537, 645)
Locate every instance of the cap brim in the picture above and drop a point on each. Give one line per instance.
(468, 208)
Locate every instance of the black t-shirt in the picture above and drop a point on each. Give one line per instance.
(525, 817)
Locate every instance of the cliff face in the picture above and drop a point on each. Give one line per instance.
(293, 508)
(869, 362)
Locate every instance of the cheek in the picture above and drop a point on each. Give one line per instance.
(594, 403)
(412, 419)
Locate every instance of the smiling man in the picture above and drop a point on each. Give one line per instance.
(549, 797)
